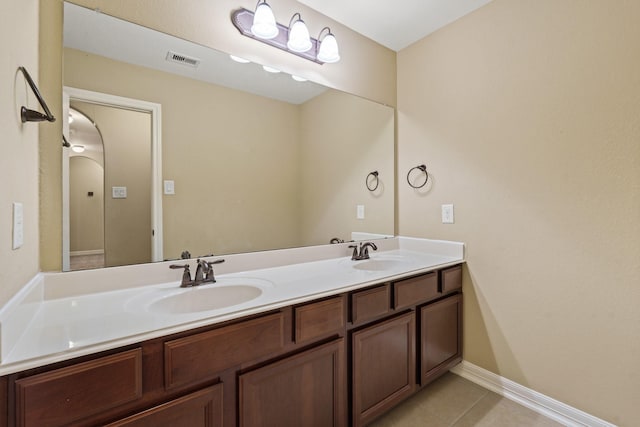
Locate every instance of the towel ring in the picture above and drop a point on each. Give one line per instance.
(423, 168)
(377, 181)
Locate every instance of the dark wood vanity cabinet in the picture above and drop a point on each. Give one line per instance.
(337, 361)
(307, 389)
(199, 409)
(383, 366)
(440, 337)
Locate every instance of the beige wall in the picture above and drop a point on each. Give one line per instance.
(19, 159)
(50, 156)
(343, 138)
(86, 213)
(527, 115)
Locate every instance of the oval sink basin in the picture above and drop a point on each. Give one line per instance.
(204, 299)
(378, 264)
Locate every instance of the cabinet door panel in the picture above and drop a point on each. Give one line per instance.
(409, 292)
(200, 357)
(441, 337)
(302, 390)
(200, 409)
(451, 279)
(383, 366)
(64, 395)
(370, 303)
(319, 319)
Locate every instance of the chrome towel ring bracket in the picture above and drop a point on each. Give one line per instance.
(372, 179)
(422, 168)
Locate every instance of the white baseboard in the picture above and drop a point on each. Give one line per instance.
(91, 252)
(538, 402)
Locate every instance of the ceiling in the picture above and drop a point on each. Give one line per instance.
(395, 24)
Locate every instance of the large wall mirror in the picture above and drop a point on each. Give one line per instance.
(251, 160)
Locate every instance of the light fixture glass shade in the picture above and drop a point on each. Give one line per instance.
(298, 78)
(264, 23)
(77, 148)
(299, 40)
(239, 59)
(270, 69)
(328, 50)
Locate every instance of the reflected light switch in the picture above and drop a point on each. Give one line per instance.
(119, 192)
(169, 187)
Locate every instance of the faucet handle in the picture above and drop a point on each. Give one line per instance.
(186, 275)
(355, 256)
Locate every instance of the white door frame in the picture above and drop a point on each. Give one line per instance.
(71, 93)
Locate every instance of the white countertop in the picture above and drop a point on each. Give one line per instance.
(65, 327)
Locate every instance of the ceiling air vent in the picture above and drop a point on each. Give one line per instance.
(182, 59)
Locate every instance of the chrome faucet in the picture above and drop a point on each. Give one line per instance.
(362, 252)
(204, 273)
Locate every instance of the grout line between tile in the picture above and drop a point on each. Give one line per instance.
(486, 393)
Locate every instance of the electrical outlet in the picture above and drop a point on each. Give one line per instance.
(447, 214)
(360, 212)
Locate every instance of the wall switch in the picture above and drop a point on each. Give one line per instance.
(169, 187)
(18, 225)
(360, 212)
(447, 214)
(119, 192)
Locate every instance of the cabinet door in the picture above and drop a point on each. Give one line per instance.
(306, 389)
(383, 366)
(440, 336)
(200, 409)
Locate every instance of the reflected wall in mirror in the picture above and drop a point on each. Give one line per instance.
(259, 161)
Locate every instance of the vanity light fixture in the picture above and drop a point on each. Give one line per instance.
(264, 24)
(294, 40)
(77, 148)
(299, 40)
(238, 59)
(328, 50)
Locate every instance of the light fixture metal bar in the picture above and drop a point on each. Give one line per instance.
(242, 19)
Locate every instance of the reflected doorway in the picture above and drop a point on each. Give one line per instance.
(131, 219)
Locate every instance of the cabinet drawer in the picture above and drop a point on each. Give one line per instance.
(200, 409)
(451, 279)
(203, 356)
(319, 319)
(370, 303)
(65, 395)
(415, 290)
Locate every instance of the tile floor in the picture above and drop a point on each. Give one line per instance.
(452, 401)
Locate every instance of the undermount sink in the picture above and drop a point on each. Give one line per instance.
(197, 299)
(378, 264)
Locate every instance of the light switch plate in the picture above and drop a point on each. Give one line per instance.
(18, 225)
(169, 187)
(360, 212)
(119, 192)
(447, 214)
